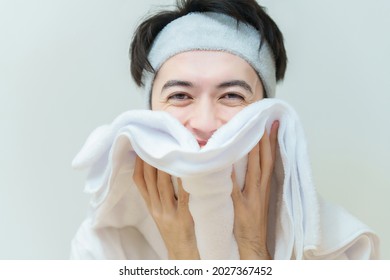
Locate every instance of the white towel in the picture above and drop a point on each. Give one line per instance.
(301, 224)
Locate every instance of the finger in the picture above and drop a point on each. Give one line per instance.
(274, 139)
(150, 175)
(236, 192)
(138, 177)
(263, 216)
(165, 190)
(183, 197)
(266, 163)
(253, 171)
(264, 210)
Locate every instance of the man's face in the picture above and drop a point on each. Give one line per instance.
(205, 89)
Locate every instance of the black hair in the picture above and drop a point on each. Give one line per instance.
(247, 11)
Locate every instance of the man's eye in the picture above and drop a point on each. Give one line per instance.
(178, 96)
(233, 96)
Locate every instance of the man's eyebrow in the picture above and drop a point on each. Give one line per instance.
(173, 83)
(236, 83)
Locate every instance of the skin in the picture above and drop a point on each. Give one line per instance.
(204, 90)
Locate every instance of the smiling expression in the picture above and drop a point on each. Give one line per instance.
(205, 89)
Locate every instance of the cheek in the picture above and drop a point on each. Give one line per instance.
(226, 113)
(179, 113)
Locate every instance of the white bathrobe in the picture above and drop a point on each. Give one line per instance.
(302, 225)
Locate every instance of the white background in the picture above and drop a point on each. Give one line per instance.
(64, 71)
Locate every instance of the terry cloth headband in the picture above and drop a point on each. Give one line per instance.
(214, 32)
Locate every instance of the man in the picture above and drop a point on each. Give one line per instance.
(205, 63)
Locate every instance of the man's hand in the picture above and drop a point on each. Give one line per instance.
(170, 213)
(251, 204)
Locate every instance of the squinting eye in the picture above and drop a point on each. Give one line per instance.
(233, 96)
(178, 96)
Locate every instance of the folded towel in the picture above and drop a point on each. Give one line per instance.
(301, 224)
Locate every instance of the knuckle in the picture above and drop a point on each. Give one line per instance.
(182, 203)
(156, 214)
(150, 181)
(257, 181)
(254, 180)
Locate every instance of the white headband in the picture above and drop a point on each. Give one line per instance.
(217, 32)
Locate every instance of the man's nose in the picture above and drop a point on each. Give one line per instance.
(204, 121)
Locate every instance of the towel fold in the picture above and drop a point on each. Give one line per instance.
(301, 224)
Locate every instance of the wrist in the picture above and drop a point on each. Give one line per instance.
(185, 254)
(248, 252)
(254, 256)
